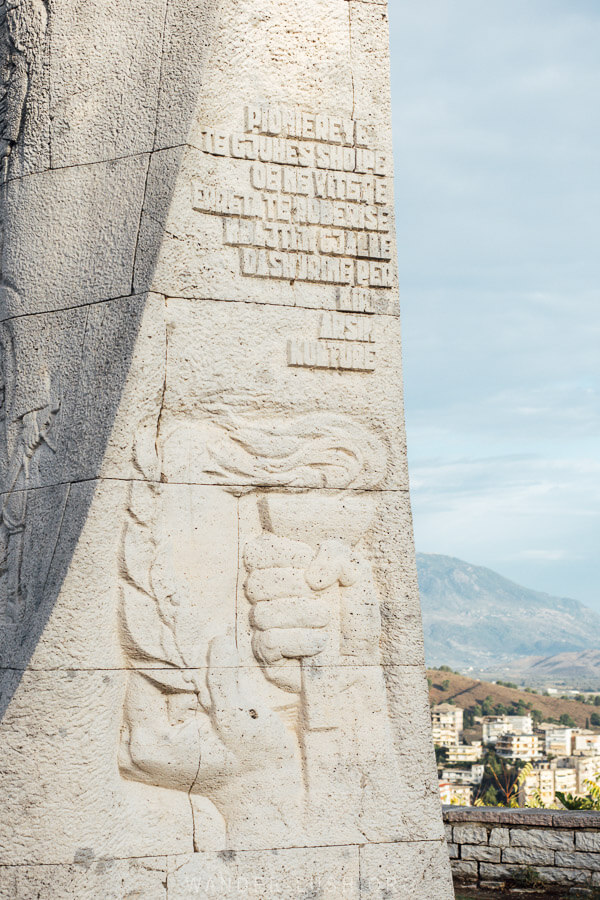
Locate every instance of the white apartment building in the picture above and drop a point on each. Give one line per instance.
(586, 742)
(495, 727)
(519, 746)
(474, 775)
(465, 753)
(458, 794)
(447, 724)
(558, 741)
(541, 781)
(565, 780)
(587, 768)
(568, 775)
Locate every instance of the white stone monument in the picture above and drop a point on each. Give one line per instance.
(211, 665)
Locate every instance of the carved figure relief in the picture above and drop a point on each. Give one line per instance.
(24, 431)
(23, 26)
(251, 701)
(28, 404)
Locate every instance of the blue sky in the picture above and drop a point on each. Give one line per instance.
(497, 147)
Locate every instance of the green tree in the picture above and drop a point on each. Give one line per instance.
(440, 755)
(595, 720)
(567, 721)
(489, 796)
(446, 684)
(487, 706)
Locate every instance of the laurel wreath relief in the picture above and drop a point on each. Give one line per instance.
(150, 599)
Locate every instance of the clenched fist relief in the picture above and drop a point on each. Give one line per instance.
(275, 735)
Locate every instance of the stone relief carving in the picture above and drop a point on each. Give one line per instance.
(268, 735)
(29, 405)
(24, 431)
(23, 26)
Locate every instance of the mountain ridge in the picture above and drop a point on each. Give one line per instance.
(476, 618)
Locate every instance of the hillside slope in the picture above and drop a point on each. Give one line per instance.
(466, 692)
(473, 617)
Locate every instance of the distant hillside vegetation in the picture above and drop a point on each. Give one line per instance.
(474, 617)
(470, 694)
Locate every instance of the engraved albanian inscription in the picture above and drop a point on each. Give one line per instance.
(345, 342)
(316, 206)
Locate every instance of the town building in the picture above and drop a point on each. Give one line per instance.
(495, 727)
(565, 780)
(519, 746)
(585, 742)
(586, 767)
(447, 724)
(457, 794)
(540, 782)
(465, 753)
(567, 774)
(474, 775)
(558, 741)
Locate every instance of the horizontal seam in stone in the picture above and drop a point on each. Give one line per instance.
(95, 162)
(317, 309)
(52, 312)
(149, 670)
(249, 488)
(192, 855)
(142, 295)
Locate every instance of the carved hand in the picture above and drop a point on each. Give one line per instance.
(249, 765)
(291, 614)
(228, 747)
(31, 432)
(251, 733)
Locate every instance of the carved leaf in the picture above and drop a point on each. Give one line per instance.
(142, 627)
(142, 502)
(145, 455)
(175, 680)
(138, 555)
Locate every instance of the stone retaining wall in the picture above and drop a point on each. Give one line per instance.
(525, 848)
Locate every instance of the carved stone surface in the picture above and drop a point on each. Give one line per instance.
(211, 663)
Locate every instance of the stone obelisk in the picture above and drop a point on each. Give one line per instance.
(212, 673)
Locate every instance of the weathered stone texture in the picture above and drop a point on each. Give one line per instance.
(475, 851)
(470, 834)
(585, 840)
(528, 856)
(544, 839)
(499, 837)
(579, 860)
(212, 672)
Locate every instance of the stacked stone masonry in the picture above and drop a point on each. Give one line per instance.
(525, 848)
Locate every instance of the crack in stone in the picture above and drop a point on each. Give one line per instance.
(351, 60)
